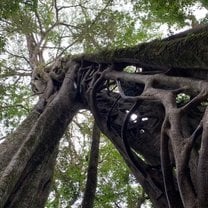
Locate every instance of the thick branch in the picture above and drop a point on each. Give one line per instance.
(187, 52)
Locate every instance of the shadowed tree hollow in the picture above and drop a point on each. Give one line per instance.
(150, 100)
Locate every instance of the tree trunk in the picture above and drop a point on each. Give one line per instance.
(91, 184)
(28, 155)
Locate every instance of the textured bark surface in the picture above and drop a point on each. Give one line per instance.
(28, 155)
(91, 184)
(186, 51)
(155, 114)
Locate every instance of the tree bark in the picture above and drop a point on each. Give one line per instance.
(187, 51)
(91, 184)
(28, 156)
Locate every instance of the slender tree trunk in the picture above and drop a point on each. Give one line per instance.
(91, 184)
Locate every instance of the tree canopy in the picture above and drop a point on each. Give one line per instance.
(111, 60)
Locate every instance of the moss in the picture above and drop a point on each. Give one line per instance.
(185, 51)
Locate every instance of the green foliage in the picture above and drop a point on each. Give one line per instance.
(16, 17)
(116, 185)
(14, 105)
(182, 99)
(12, 7)
(204, 3)
(165, 11)
(2, 44)
(72, 161)
(112, 28)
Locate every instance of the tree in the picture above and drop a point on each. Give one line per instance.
(122, 104)
(145, 125)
